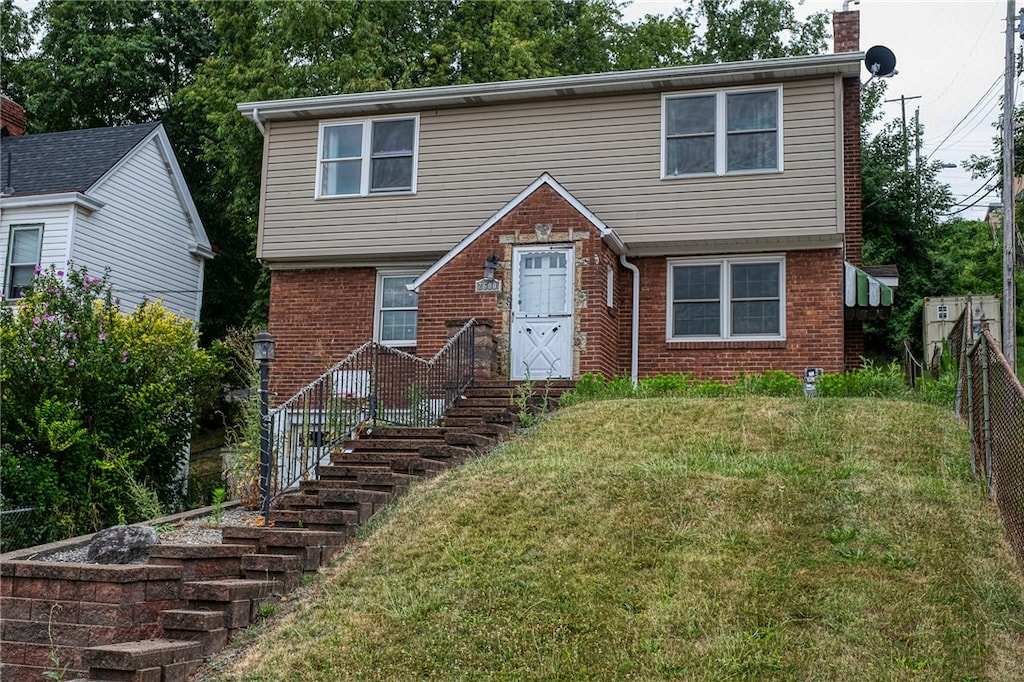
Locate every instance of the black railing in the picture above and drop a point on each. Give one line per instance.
(375, 385)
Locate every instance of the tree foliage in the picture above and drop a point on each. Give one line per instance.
(97, 404)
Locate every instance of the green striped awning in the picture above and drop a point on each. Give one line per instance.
(864, 291)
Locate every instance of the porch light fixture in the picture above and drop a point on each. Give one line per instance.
(263, 352)
(263, 347)
(489, 266)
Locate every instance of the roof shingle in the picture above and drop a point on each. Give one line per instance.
(69, 161)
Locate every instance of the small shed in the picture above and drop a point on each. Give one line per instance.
(941, 313)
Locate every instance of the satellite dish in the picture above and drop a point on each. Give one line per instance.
(881, 62)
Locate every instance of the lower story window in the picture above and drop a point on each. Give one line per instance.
(739, 298)
(396, 309)
(23, 256)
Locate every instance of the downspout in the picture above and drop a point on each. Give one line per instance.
(634, 354)
(258, 122)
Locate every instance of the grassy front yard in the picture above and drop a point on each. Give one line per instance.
(675, 538)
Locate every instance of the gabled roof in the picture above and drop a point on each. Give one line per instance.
(607, 233)
(69, 161)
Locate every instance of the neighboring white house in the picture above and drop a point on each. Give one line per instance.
(103, 198)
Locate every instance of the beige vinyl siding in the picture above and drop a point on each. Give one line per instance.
(604, 150)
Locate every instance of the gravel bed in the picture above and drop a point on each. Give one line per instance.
(197, 531)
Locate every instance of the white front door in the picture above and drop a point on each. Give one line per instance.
(542, 304)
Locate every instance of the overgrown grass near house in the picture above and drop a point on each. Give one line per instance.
(743, 538)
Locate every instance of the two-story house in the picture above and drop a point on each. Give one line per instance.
(702, 219)
(102, 198)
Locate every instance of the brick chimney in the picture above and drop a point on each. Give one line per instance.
(846, 27)
(12, 116)
(846, 32)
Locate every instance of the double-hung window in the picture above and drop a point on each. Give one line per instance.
(740, 298)
(716, 133)
(23, 253)
(372, 156)
(396, 309)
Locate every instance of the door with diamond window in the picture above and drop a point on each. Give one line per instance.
(542, 304)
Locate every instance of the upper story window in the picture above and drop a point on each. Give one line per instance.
(372, 156)
(738, 298)
(396, 309)
(724, 132)
(23, 253)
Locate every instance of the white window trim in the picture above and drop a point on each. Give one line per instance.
(21, 227)
(721, 132)
(725, 298)
(378, 301)
(364, 175)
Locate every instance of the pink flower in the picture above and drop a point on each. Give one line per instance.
(39, 268)
(72, 363)
(103, 337)
(48, 317)
(42, 358)
(60, 273)
(124, 356)
(36, 321)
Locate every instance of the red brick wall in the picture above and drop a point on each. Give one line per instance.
(814, 325)
(12, 116)
(450, 292)
(317, 317)
(847, 39)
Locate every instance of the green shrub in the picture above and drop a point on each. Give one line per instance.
(97, 404)
(596, 387)
(773, 382)
(870, 381)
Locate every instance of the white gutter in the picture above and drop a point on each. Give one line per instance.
(634, 353)
(257, 121)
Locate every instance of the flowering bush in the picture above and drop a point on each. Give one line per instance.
(97, 404)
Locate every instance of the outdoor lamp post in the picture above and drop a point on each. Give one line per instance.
(489, 266)
(263, 351)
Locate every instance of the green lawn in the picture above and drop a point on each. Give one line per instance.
(704, 539)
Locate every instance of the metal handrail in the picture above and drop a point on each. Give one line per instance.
(374, 385)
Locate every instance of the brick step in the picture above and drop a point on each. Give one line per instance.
(448, 453)
(404, 432)
(317, 518)
(484, 413)
(304, 499)
(282, 569)
(206, 627)
(314, 548)
(226, 590)
(467, 439)
(494, 430)
(504, 401)
(371, 479)
(143, 660)
(402, 462)
(200, 561)
(391, 444)
(346, 471)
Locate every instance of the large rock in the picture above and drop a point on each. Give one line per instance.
(122, 544)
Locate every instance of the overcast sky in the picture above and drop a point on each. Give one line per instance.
(950, 53)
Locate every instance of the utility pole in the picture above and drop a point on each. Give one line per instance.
(906, 141)
(1009, 255)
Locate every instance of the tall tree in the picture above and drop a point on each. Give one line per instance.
(15, 43)
(904, 204)
(104, 63)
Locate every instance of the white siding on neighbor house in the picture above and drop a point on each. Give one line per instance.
(55, 221)
(603, 150)
(143, 236)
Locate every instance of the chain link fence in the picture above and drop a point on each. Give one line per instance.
(990, 397)
(18, 529)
